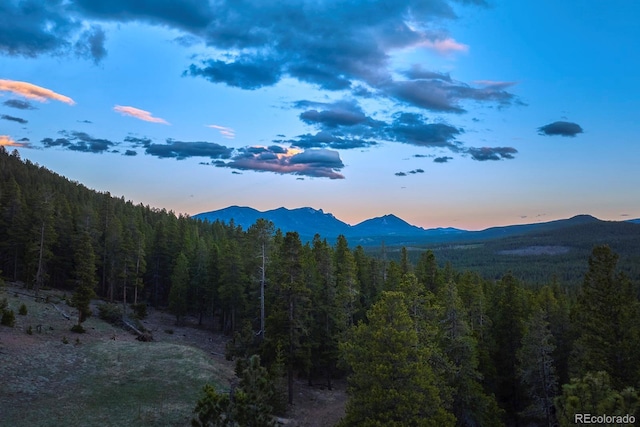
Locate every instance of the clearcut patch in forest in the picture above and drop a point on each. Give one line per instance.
(102, 377)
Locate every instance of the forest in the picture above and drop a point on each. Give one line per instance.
(419, 342)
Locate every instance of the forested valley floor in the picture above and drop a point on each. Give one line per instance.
(416, 342)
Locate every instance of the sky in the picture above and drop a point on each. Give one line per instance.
(466, 113)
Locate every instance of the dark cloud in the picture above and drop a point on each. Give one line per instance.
(330, 44)
(91, 44)
(137, 142)
(130, 153)
(79, 141)
(325, 139)
(14, 119)
(416, 72)
(245, 73)
(443, 159)
(411, 128)
(339, 114)
(439, 95)
(85, 121)
(411, 172)
(32, 28)
(421, 156)
(189, 15)
(567, 129)
(491, 153)
(319, 163)
(19, 104)
(181, 150)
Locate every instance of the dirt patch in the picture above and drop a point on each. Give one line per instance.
(104, 377)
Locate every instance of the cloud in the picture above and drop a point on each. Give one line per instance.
(567, 129)
(412, 172)
(33, 28)
(79, 141)
(91, 44)
(19, 104)
(181, 150)
(138, 142)
(32, 91)
(7, 141)
(224, 131)
(443, 159)
(445, 46)
(138, 114)
(491, 153)
(14, 119)
(416, 72)
(85, 121)
(411, 128)
(130, 153)
(319, 163)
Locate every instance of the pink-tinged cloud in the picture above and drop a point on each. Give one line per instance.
(7, 141)
(31, 91)
(224, 131)
(138, 114)
(318, 163)
(445, 46)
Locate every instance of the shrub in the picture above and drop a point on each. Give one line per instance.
(23, 310)
(29, 330)
(110, 313)
(65, 340)
(3, 304)
(8, 318)
(140, 310)
(78, 329)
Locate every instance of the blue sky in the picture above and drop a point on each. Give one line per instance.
(446, 113)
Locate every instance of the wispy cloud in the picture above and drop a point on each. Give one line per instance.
(19, 104)
(32, 91)
(7, 141)
(567, 129)
(14, 119)
(445, 46)
(138, 114)
(224, 131)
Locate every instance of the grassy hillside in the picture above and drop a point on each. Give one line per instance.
(106, 378)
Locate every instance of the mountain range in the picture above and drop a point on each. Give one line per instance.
(388, 228)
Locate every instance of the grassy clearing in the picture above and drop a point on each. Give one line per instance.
(97, 381)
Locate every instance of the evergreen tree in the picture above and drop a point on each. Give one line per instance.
(470, 405)
(593, 394)
(85, 274)
(179, 288)
(391, 383)
(537, 371)
(606, 319)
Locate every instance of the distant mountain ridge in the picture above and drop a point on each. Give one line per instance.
(388, 228)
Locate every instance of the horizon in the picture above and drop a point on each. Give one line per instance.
(444, 114)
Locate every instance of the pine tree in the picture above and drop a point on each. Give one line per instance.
(391, 383)
(179, 288)
(537, 371)
(606, 318)
(85, 274)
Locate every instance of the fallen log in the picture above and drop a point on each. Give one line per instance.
(65, 315)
